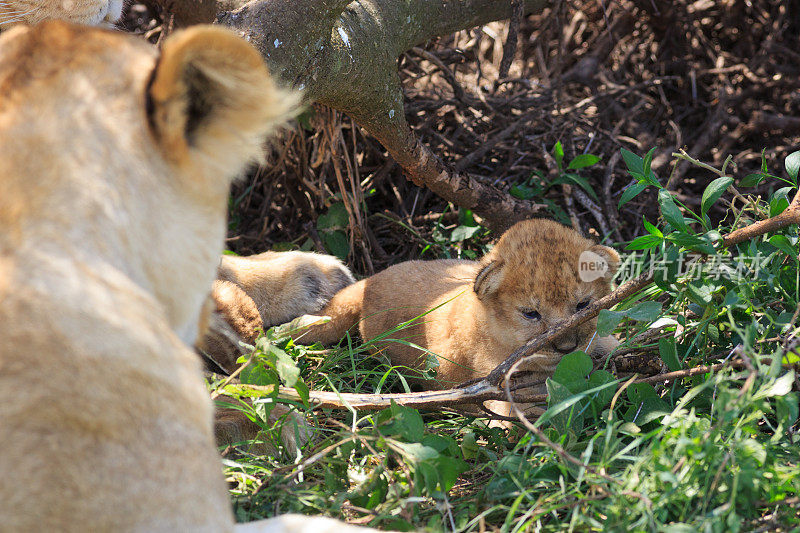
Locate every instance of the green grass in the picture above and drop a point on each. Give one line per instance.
(716, 451)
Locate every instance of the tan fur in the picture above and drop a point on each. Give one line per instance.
(114, 162)
(91, 12)
(233, 323)
(474, 309)
(285, 285)
(233, 320)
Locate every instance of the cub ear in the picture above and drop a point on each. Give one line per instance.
(489, 278)
(610, 255)
(212, 100)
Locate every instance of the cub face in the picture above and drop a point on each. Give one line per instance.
(160, 137)
(532, 279)
(90, 12)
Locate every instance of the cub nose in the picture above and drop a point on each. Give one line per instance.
(566, 344)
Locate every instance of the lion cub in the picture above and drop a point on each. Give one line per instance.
(285, 285)
(472, 314)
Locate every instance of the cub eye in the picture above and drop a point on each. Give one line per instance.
(581, 306)
(530, 314)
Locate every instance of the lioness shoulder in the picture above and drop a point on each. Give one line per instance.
(106, 257)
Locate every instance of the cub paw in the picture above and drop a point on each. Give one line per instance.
(232, 318)
(285, 285)
(233, 426)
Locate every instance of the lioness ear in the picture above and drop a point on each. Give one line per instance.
(610, 255)
(489, 279)
(211, 97)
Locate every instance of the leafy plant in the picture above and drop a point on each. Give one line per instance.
(711, 444)
(538, 184)
(331, 227)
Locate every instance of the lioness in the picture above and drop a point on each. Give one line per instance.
(115, 163)
(478, 313)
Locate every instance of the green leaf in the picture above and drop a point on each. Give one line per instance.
(577, 180)
(403, 422)
(647, 405)
(781, 242)
(645, 242)
(751, 180)
(284, 331)
(558, 153)
(441, 443)
(630, 193)
(633, 161)
(692, 242)
(576, 365)
(751, 448)
(680, 528)
(336, 217)
(604, 397)
(648, 159)
(418, 452)
(286, 366)
(779, 201)
(336, 243)
(257, 374)
(670, 211)
(568, 418)
(779, 387)
(466, 217)
(303, 392)
(713, 192)
(469, 445)
(699, 293)
(731, 299)
(638, 392)
(239, 390)
(462, 233)
(523, 192)
(786, 408)
(792, 164)
(583, 161)
(651, 229)
(644, 311)
(669, 353)
(607, 322)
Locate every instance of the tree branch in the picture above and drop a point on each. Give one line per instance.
(791, 215)
(347, 59)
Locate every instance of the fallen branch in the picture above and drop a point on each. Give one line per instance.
(471, 394)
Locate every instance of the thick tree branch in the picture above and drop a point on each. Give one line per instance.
(346, 58)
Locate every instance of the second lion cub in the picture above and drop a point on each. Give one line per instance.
(473, 314)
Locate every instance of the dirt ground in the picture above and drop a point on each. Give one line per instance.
(717, 78)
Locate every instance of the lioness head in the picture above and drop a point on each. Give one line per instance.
(91, 12)
(114, 154)
(539, 273)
